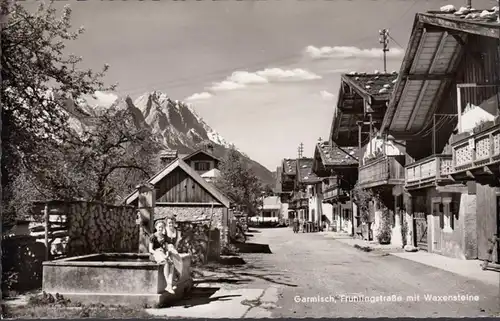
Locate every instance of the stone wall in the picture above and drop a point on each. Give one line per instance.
(96, 227)
(201, 214)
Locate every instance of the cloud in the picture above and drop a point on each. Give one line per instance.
(104, 99)
(241, 79)
(350, 52)
(326, 95)
(199, 96)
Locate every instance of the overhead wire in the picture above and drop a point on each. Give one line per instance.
(223, 73)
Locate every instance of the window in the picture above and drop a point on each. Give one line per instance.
(448, 219)
(202, 166)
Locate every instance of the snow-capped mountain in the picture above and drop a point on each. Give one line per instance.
(174, 123)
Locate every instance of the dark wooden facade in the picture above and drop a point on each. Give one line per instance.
(179, 187)
(361, 102)
(451, 177)
(201, 155)
(288, 174)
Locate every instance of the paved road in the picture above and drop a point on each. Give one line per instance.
(307, 267)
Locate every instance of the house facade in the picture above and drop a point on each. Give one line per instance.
(285, 181)
(306, 196)
(376, 190)
(203, 161)
(445, 107)
(271, 209)
(337, 168)
(182, 192)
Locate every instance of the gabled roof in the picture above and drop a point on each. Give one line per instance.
(360, 95)
(437, 42)
(213, 173)
(200, 151)
(376, 86)
(289, 166)
(271, 203)
(178, 163)
(305, 172)
(333, 155)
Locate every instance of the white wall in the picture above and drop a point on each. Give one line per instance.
(472, 116)
(386, 146)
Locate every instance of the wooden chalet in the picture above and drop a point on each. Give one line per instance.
(445, 106)
(287, 174)
(202, 161)
(360, 111)
(338, 169)
(305, 199)
(360, 107)
(182, 192)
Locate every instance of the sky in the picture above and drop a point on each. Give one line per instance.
(264, 74)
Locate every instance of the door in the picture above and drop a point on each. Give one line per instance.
(420, 221)
(421, 228)
(437, 227)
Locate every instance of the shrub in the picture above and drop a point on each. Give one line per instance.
(362, 198)
(384, 232)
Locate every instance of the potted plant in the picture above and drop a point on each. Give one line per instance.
(384, 232)
(482, 125)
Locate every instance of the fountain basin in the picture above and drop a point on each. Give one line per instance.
(130, 279)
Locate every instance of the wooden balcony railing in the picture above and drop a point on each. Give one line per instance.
(331, 184)
(303, 203)
(429, 171)
(384, 170)
(334, 194)
(474, 153)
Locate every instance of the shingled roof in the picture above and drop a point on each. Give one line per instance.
(377, 85)
(446, 36)
(289, 166)
(306, 174)
(333, 155)
(488, 17)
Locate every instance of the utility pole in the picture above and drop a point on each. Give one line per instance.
(300, 150)
(384, 40)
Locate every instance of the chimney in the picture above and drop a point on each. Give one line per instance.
(168, 156)
(207, 146)
(210, 148)
(469, 4)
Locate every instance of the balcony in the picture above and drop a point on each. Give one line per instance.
(334, 194)
(300, 200)
(383, 170)
(477, 156)
(428, 172)
(303, 203)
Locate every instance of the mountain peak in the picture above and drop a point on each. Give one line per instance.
(173, 123)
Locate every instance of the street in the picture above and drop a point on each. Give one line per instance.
(307, 271)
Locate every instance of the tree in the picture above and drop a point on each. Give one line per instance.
(43, 156)
(239, 183)
(268, 190)
(113, 157)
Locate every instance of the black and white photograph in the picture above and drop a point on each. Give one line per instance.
(250, 159)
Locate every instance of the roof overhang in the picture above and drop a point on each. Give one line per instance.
(430, 64)
(355, 106)
(324, 167)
